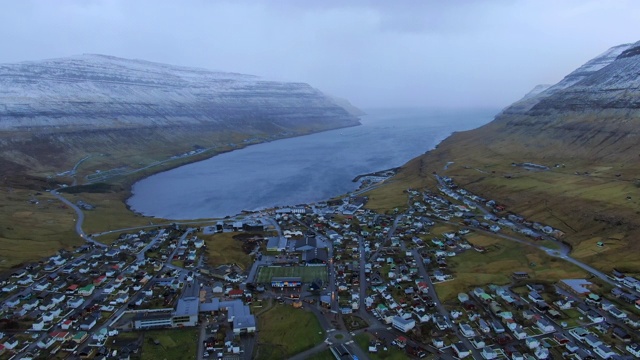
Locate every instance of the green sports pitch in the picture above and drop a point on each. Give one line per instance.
(307, 273)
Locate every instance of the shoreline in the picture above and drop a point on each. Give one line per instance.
(127, 184)
(384, 172)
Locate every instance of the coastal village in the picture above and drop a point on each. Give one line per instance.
(374, 283)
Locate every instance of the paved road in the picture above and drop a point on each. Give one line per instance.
(392, 231)
(441, 309)
(562, 253)
(142, 227)
(75, 169)
(141, 254)
(201, 338)
(79, 220)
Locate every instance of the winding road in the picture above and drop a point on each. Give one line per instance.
(79, 220)
(562, 253)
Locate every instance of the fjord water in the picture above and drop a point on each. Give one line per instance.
(298, 170)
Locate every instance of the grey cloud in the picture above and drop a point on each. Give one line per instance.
(375, 53)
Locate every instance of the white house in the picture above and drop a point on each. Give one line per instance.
(75, 302)
(42, 285)
(58, 298)
(484, 326)
(466, 330)
(578, 333)
(46, 342)
(122, 298)
(519, 333)
(478, 342)
(11, 343)
(48, 316)
(12, 302)
(25, 281)
(460, 350)
(595, 317)
(617, 313)
(422, 315)
(592, 340)
(66, 324)
(31, 304)
(604, 351)
(38, 324)
(541, 353)
(89, 323)
(633, 349)
(544, 325)
(488, 353)
(532, 343)
(402, 324)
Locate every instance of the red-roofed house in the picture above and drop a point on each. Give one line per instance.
(61, 335)
(99, 280)
(423, 287)
(66, 325)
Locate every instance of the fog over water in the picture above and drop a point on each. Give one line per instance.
(298, 170)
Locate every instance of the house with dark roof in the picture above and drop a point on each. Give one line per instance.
(315, 257)
(306, 244)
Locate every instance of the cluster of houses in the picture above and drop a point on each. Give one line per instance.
(523, 322)
(531, 321)
(75, 300)
(490, 221)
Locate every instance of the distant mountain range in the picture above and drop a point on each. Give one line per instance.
(96, 103)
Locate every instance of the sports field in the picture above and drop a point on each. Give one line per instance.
(307, 273)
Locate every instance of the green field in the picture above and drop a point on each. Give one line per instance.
(495, 266)
(307, 273)
(285, 331)
(172, 344)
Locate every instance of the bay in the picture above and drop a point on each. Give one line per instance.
(298, 170)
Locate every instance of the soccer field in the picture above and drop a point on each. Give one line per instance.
(307, 273)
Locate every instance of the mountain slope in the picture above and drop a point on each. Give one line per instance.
(109, 92)
(586, 130)
(54, 111)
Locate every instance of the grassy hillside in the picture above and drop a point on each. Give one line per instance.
(113, 160)
(591, 198)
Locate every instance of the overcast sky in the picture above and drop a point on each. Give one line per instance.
(374, 53)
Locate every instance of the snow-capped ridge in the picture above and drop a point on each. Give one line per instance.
(603, 67)
(94, 90)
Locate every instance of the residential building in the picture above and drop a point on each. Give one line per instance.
(403, 324)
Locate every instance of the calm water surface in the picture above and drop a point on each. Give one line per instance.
(298, 170)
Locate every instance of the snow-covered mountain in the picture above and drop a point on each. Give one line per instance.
(573, 81)
(55, 112)
(97, 91)
(585, 129)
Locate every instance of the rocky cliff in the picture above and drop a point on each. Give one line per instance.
(58, 108)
